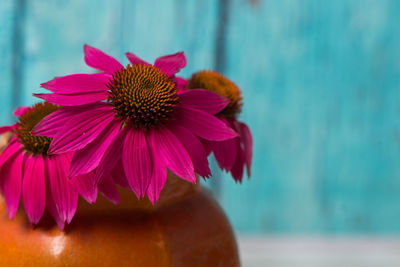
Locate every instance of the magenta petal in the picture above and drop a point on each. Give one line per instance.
(225, 153)
(171, 64)
(20, 111)
(119, 176)
(85, 184)
(181, 84)
(11, 175)
(6, 129)
(137, 161)
(108, 188)
(204, 125)
(74, 100)
(78, 83)
(34, 188)
(78, 133)
(172, 153)
(203, 100)
(111, 157)
(54, 122)
(237, 169)
(195, 149)
(135, 59)
(51, 206)
(13, 147)
(158, 180)
(101, 61)
(64, 194)
(247, 140)
(88, 158)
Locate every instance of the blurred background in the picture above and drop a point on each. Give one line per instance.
(320, 81)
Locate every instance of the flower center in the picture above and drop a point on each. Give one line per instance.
(217, 83)
(31, 143)
(143, 95)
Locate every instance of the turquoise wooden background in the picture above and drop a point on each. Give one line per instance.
(320, 79)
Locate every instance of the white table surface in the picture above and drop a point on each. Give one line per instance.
(319, 251)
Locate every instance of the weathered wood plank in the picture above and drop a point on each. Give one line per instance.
(321, 86)
(7, 16)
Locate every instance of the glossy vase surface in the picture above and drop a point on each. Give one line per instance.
(186, 228)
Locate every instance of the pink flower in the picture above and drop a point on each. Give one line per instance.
(26, 170)
(234, 154)
(136, 115)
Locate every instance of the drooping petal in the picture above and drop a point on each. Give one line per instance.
(88, 158)
(73, 99)
(238, 166)
(172, 153)
(11, 174)
(247, 140)
(204, 100)
(78, 83)
(64, 194)
(111, 157)
(195, 149)
(13, 147)
(34, 188)
(204, 124)
(158, 179)
(137, 162)
(85, 184)
(77, 134)
(108, 188)
(171, 64)
(119, 176)
(6, 129)
(135, 59)
(20, 111)
(50, 205)
(101, 61)
(181, 84)
(225, 153)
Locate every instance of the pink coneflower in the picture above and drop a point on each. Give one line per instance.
(26, 170)
(233, 154)
(134, 114)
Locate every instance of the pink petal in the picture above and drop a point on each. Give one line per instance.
(203, 100)
(247, 140)
(195, 149)
(51, 206)
(78, 83)
(109, 190)
(13, 147)
(237, 169)
(111, 157)
(204, 125)
(157, 180)
(34, 188)
(88, 158)
(6, 129)
(137, 161)
(135, 59)
(181, 84)
(225, 153)
(20, 111)
(54, 122)
(74, 100)
(64, 194)
(101, 61)
(85, 184)
(119, 176)
(171, 64)
(172, 153)
(11, 175)
(78, 133)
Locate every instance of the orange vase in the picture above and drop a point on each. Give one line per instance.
(186, 228)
